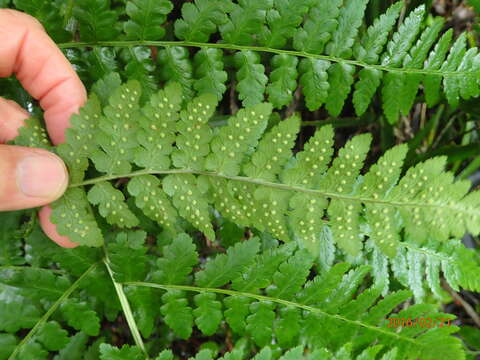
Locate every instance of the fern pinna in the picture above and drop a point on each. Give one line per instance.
(180, 168)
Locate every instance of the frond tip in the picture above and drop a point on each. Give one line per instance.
(250, 177)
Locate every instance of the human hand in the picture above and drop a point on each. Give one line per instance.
(35, 177)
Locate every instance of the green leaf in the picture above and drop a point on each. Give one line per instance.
(81, 316)
(177, 314)
(260, 322)
(210, 77)
(282, 21)
(108, 352)
(245, 21)
(402, 40)
(112, 205)
(96, 20)
(341, 80)
(321, 22)
(226, 267)
(349, 20)
(175, 66)
(72, 206)
(17, 313)
(208, 313)
(314, 80)
(177, 261)
(7, 344)
(52, 336)
(250, 77)
(75, 349)
(365, 89)
(48, 13)
(200, 19)
(128, 260)
(146, 19)
(283, 80)
(371, 45)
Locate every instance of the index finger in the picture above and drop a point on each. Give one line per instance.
(27, 51)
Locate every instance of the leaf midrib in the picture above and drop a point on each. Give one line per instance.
(326, 194)
(302, 54)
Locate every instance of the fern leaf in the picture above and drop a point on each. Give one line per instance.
(453, 61)
(283, 80)
(282, 21)
(259, 273)
(190, 201)
(314, 80)
(158, 127)
(177, 314)
(236, 312)
(371, 45)
(260, 322)
(178, 259)
(140, 66)
(200, 19)
(210, 77)
(49, 15)
(108, 352)
(194, 133)
(151, 199)
(415, 60)
(290, 277)
(250, 77)
(175, 66)
(66, 212)
(81, 317)
(146, 19)
(208, 313)
(245, 21)
(111, 205)
(349, 20)
(96, 20)
(365, 89)
(33, 135)
(320, 24)
(287, 328)
(341, 80)
(273, 151)
(52, 336)
(403, 39)
(227, 267)
(127, 256)
(229, 139)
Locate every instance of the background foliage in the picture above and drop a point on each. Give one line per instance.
(410, 76)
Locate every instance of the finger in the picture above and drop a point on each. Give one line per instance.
(51, 229)
(30, 177)
(42, 69)
(12, 117)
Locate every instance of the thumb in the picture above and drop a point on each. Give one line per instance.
(30, 177)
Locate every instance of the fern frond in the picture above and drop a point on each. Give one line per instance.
(328, 311)
(256, 184)
(324, 37)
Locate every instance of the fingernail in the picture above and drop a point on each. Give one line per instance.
(42, 176)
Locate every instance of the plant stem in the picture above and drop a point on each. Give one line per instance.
(280, 187)
(127, 311)
(261, 49)
(50, 311)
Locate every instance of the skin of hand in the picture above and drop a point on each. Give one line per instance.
(34, 177)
